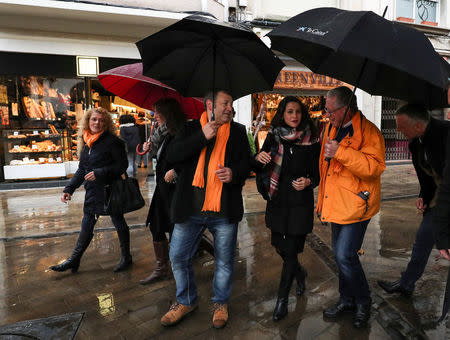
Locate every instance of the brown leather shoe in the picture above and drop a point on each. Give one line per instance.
(176, 313)
(220, 317)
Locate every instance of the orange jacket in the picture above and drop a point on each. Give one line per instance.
(356, 167)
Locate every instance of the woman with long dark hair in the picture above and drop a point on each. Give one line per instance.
(170, 118)
(102, 159)
(287, 171)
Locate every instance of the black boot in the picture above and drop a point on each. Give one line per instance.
(336, 310)
(394, 287)
(362, 314)
(287, 276)
(300, 276)
(73, 262)
(125, 259)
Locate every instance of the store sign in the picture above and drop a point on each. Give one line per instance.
(305, 80)
(87, 66)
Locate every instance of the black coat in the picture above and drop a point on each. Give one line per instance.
(108, 160)
(441, 212)
(158, 217)
(290, 211)
(184, 152)
(434, 143)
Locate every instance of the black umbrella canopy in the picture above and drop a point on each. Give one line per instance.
(198, 54)
(361, 48)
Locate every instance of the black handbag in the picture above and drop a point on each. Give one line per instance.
(123, 196)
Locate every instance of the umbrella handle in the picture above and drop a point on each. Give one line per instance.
(141, 153)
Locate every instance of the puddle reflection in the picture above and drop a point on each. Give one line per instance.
(106, 304)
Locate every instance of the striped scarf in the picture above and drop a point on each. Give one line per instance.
(302, 137)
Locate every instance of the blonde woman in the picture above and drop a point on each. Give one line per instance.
(102, 159)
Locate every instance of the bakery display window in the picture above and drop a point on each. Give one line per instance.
(38, 153)
(38, 116)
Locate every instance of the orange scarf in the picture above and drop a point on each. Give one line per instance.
(214, 186)
(90, 138)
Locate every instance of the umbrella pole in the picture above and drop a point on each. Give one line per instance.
(328, 159)
(357, 83)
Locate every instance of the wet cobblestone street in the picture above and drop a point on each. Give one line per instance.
(37, 231)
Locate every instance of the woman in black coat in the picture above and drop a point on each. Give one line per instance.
(102, 159)
(170, 118)
(287, 171)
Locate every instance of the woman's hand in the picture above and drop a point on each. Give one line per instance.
(66, 197)
(263, 157)
(301, 183)
(146, 146)
(169, 176)
(90, 176)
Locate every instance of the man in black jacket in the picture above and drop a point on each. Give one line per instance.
(427, 146)
(212, 162)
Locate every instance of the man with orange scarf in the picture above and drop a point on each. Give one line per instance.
(212, 162)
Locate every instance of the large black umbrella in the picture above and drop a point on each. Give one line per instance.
(198, 54)
(362, 48)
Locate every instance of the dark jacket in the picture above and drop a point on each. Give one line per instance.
(158, 217)
(441, 213)
(184, 152)
(130, 134)
(141, 127)
(108, 160)
(291, 211)
(433, 142)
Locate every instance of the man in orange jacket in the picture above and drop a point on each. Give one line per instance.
(349, 195)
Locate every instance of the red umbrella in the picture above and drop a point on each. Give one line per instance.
(128, 83)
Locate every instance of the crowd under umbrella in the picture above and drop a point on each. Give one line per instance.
(129, 83)
(198, 54)
(361, 48)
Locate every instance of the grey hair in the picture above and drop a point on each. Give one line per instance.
(343, 95)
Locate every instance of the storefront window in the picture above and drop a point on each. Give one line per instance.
(39, 121)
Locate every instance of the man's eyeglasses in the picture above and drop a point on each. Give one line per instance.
(330, 112)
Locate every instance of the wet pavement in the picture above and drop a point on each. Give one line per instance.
(37, 230)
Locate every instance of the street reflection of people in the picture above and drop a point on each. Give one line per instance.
(427, 145)
(170, 118)
(287, 171)
(130, 134)
(213, 158)
(102, 159)
(349, 195)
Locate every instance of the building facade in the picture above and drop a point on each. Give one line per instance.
(40, 86)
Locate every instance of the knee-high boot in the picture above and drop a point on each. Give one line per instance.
(73, 262)
(287, 277)
(124, 238)
(162, 270)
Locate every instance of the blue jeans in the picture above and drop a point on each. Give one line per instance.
(347, 240)
(421, 251)
(183, 245)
